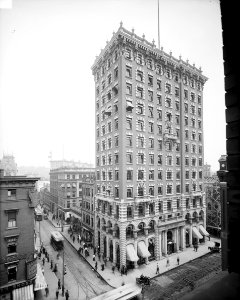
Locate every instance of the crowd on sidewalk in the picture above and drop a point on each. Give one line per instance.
(106, 269)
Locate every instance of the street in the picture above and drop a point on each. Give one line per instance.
(177, 282)
(81, 281)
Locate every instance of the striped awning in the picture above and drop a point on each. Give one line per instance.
(203, 230)
(25, 293)
(131, 253)
(142, 250)
(40, 282)
(196, 233)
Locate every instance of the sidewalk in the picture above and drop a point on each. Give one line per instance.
(116, 280)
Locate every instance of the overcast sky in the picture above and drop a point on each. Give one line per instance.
(47, 48)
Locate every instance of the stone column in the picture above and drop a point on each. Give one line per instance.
(190, 234)
(182, 231)
(107, 246)
(160, 244)
(165, 242)
(177, 239)
(114, 250)
(146, 243)
(123, 244)
(135, 247)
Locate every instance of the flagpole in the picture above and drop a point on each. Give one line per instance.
(158, 28)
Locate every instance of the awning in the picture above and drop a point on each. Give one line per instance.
(40, 282)
(203, 231)
(142, 250)
(196, 233)
(25, 293)
(131, 253)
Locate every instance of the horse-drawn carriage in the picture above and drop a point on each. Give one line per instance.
(143, 280)
(216, 248)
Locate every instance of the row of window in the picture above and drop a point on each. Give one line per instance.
(160, 70)
(151, 190)
(140, 126)
(108, 175)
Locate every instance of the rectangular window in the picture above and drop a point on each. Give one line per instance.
(186, 121)
(150, 127)
(151, 159)
(160, 190)
(12, 248)
(128, 89)
(187, 174)
(129, 175)
(139, 92)
(160, 174)
(12, 193)
(129, 192)
(140, 141)
(159, 145)
(177, 94)
(139, 76)
(168, 88)
(159, 159)
(150, 112)
(12, 273)
(159, 85)
(116, 141)
(12, 219)
(129, 158)
(150, 96)
(129, 124)
(139, 109)
(116, 175)
(116, 158)
(140, 174)
(150, 80)
(140, 125)
(128, 71)
(151, 190)
(140, 158)
(116, 192)
(169, 189)
(159, 99)
(151, 174)
(151, 143)
(129, 141)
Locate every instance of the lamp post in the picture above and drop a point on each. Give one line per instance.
(63, 271)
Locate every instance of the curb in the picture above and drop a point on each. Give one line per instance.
(98, 274)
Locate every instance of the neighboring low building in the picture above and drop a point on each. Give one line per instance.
(88, 209)
(212, 190)
(66, 189)
(18, 263)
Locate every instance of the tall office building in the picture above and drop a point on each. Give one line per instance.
(149, 151)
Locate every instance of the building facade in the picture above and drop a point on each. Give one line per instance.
(212, 191)
(88, 209)
(9, 165)
(149, 151)
(18, 264)
(66, 190)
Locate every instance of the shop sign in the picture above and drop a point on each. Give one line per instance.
(31, 269)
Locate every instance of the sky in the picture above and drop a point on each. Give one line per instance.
(47, 48)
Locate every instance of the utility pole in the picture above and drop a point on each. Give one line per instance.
(63, 271)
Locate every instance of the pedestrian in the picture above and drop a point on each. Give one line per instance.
(67, 294)
(93, 257)
(48, 258)
(209, 237)
(55, 268)
(118, 267)
(157, 271)
(178, 260)
(74, 238)
(196, 248)
(113, 269)
(94, 250)
(105, 261)
(96, 264)
(59, 284)
(102, 265)
(43, 261)
(51, 264)
(63, 290)
(47, 290)
(168, 263)
(57, 293)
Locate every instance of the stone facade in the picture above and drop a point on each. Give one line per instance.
(149, 150)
